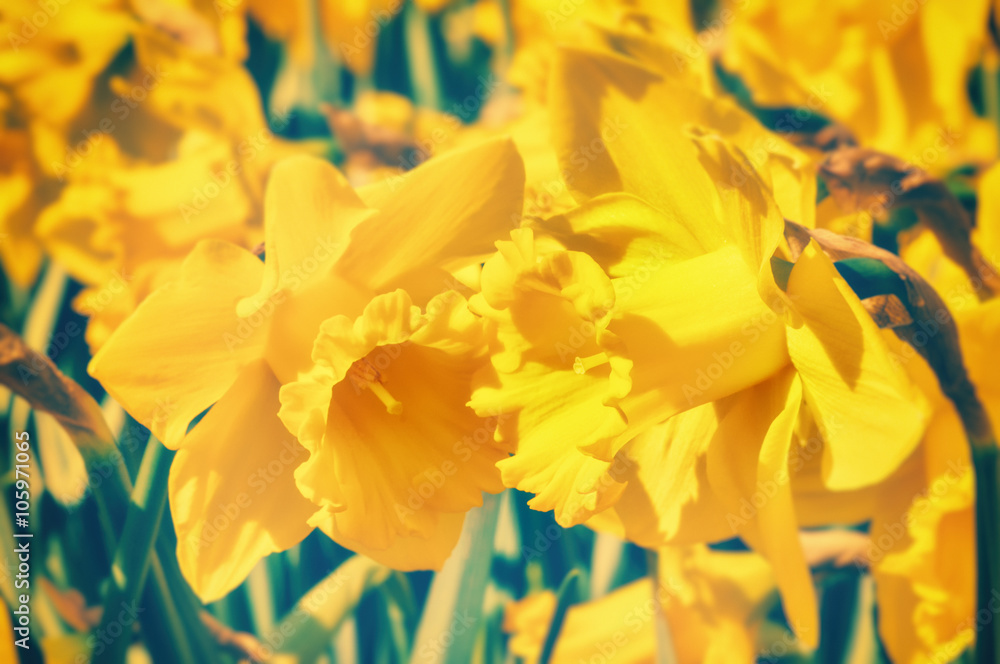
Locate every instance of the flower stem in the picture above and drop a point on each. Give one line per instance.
(422, 59)
(135, 550)
(984, 460)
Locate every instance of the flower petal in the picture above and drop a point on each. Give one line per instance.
(696, 331)
(668, 498)
(232, 490)
(396, 450)
(449, 208)
(406, 552)
(608, 141)
(748, 470)
(622, 232)
(846, 367)
(309, 211)
(187, 328)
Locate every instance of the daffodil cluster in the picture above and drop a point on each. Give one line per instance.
(637, 283)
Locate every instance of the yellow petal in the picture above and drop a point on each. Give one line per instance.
(668, 498)
(7, 647)
(451, 207)
(421, 551)
(755, 222)
(988, 224)
(712, 601)
(187, 329)
(232, 490)
(979, 329)
(923, 553)
(696, 331)
(622, 233)
(607, 141)
(549, 376)
(310, 210)
(394, 450)
(846, 367)
(748, 470)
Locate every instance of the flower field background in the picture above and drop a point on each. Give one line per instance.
(497, 331)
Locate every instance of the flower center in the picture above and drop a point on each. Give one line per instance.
(364, 376)
(582, 364)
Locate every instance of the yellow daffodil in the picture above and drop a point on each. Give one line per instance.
(50, 59)
(354, 328)
(709, 601)
(923, 551)
(205, 26)
(655, 297)
(894, 73)
(122, 227)
(924, 533)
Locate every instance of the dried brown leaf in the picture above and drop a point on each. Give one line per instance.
(861, 179)
(35, 378)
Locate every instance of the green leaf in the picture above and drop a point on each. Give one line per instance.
(136, 548)
(782, 270)
(313, 621)
(447, 632)
(570, 593)
(868, 277)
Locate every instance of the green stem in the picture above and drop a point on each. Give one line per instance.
(570, 593)
(316, 617)
(183, 606)
(984, 461)
(135, 551)
(458, 590)
(421, 58)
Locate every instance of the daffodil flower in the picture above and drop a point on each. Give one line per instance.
(708, 600)
(51, 60)
(655, 298)
(122, 226)
(895, 75)
(923, 548)
(355, 330)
